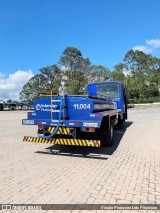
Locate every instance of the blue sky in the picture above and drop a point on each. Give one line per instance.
(34, 33)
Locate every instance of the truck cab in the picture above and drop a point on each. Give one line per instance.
(110, 90)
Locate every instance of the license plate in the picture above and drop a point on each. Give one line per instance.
(29, 122)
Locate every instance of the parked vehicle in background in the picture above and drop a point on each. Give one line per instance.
(1, 105)
(12, 106)
(130, 103)
(18, 106)
(5, 107)
(25, 107)
(31, 107)
(15, 106)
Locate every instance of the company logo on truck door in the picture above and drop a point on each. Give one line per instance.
(45, 107)
(38, 106)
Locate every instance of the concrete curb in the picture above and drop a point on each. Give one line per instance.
(147, 104)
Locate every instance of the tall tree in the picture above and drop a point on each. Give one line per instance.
(49, 80)
(74, 69)
(97, 73)
(30, 91)
(53, 76)
(139, 73)
(144, 70)
(9, 101)
(118, 72)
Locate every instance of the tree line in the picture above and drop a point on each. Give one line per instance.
(139, 73)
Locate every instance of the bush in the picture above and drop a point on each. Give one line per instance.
(149, 100)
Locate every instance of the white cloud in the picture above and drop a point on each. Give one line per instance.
(1, 75)
(12, 85)
(145, 49)
(152, 46)
(154, 43)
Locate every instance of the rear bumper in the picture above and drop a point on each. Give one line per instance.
(62, 141)
(68, 123)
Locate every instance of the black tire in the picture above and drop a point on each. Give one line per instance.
(107, 135)
(120, 124)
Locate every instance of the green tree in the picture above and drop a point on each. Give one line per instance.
(139, 73)
(118, 72)
(53, 76)
(49, 80)
(9, 101)
(75, 68)
(143, 69)
(97, 73)
(31, 90)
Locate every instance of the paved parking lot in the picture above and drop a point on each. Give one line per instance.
(128, 172)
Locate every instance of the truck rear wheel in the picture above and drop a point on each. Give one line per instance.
(120, 123)
(107, 135)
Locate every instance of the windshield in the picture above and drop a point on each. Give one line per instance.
(108, 90)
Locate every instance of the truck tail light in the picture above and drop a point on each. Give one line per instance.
(87, 129)
(40, 127)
